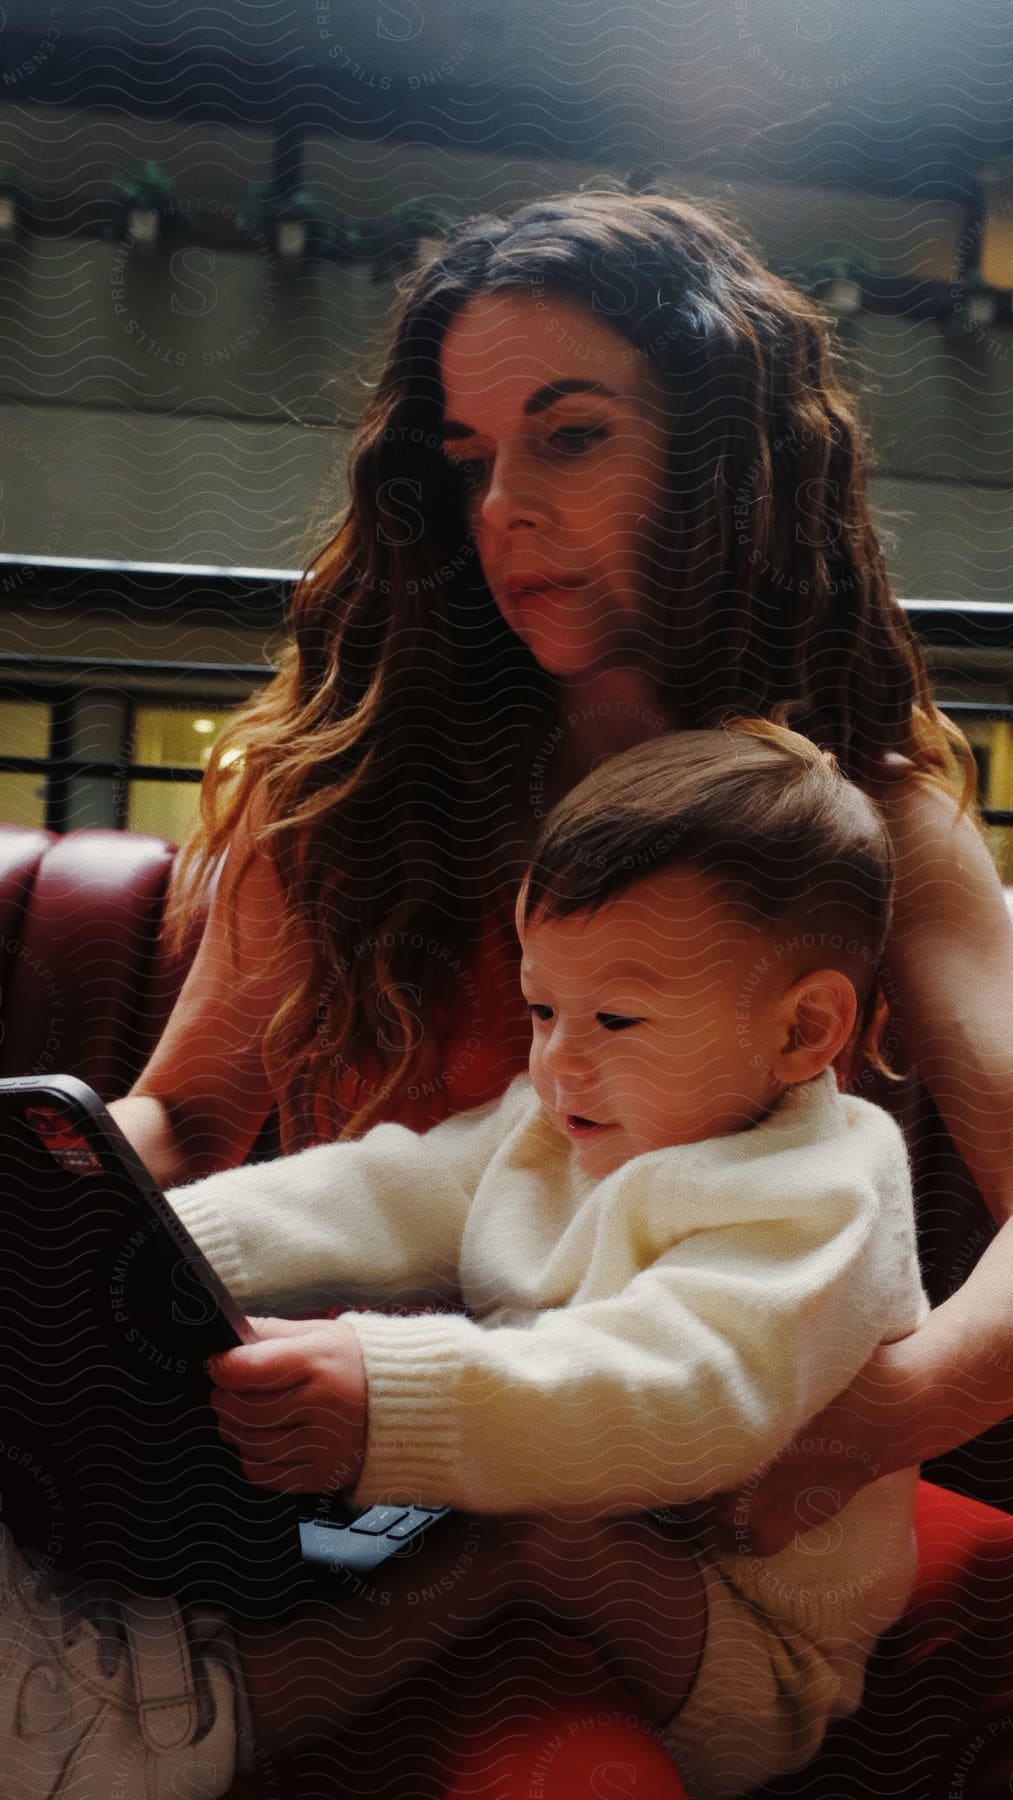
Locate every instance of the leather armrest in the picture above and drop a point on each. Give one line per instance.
(85, 988)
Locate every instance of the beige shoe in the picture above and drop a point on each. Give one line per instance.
(112, 1696)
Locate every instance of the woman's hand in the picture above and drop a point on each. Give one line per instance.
(294, 1404)
(856, 1439)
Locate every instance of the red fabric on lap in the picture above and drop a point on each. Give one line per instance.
(574, 1753)
(965, 1549)
(936, 1719)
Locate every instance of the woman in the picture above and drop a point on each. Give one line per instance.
(608, 484)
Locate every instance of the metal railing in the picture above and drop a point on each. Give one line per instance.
(262, 595)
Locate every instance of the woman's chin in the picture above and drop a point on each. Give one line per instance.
(567, 659)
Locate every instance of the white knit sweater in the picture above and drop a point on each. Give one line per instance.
(632, 1342)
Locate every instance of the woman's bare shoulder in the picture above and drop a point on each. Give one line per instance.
(912, 799)
(946, 879)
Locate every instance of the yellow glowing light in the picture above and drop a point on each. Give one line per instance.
(203, 726)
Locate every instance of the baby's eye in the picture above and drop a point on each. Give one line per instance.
(538, 1011)
(573, 439)
(616, 1021)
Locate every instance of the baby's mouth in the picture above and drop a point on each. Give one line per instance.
(578, 1126)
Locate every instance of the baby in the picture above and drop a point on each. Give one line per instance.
(674, 1238)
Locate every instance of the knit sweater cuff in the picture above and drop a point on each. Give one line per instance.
(413, 1438)
(200, 1208)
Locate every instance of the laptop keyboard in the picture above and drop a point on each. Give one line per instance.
(336, 1538)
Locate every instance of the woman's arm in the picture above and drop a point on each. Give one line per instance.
(950, 964)
(203, 1095)
(950, 973)
(950, 976)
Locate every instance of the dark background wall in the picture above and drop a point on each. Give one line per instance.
(187, 408)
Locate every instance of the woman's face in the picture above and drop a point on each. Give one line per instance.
(559, 428)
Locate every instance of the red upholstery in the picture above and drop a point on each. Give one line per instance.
(81, 917)
(86, 988)
(575, 1750)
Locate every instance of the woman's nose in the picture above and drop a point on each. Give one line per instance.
(515, 495)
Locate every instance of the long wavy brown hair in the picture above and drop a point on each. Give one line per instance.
(378, 770)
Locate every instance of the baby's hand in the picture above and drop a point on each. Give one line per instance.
(294, 1404)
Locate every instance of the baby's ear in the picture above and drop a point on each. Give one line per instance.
(818, 1015)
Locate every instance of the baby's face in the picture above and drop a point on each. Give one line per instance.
(655, 1021)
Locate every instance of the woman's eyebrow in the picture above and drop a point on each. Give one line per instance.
(538, 402)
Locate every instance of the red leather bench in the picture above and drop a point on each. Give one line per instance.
(86, 986)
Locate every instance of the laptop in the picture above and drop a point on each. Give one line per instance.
(111, 1465)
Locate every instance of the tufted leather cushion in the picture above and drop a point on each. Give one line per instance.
(86, 984)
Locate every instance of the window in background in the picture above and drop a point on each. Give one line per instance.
(991, 742)
(25, 728)
(172, 737)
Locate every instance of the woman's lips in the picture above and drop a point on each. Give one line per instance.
(536, 590)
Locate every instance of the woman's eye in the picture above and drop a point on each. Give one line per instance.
(572, 439)
(569, 440)
(470, 472)
(616, 1021)
(538, 1011)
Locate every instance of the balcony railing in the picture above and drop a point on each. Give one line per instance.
(260, 596)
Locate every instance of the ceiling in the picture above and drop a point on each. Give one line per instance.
(895, 95)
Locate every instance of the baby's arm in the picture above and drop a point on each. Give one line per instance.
(686, 1379)
(383, 1215)
(689, 1377)
(369, 1219)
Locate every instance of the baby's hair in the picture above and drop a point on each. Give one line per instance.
(792, 845)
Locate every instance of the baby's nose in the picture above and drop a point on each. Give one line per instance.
(569, 1051)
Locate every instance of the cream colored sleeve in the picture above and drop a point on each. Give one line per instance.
(368, 1219)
